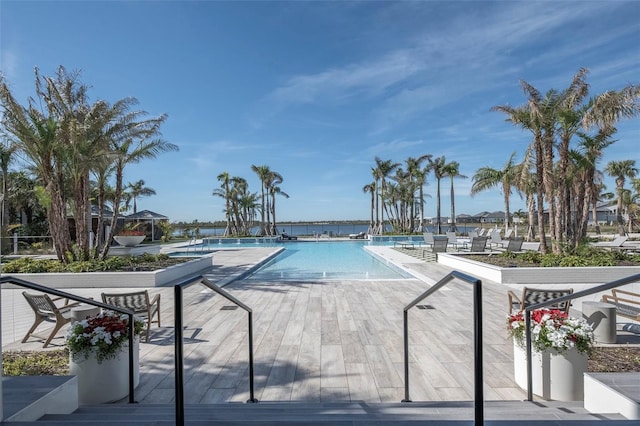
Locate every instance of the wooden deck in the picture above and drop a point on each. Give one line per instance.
(329, 341)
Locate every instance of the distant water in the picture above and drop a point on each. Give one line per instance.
(337, 230)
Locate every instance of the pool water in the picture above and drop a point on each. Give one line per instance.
(326, 261)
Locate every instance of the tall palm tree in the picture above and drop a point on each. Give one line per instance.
(34, 132)
(591, 148)
(272, 179)
(131, 138)
(225, 193)
(371, 188)
(382, 170)
(621, 170)
(437, 167)
(263, 174)
(417, 175)
(452, 170)
(7, 151)
(275, 190)
(486, 178)
(137, 189)
(531, 117)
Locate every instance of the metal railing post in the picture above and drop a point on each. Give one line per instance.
(179, 356)
(406, 356)
(478, 363)
(251, 394)
(477, 318)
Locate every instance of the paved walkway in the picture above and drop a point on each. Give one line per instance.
(316, 341)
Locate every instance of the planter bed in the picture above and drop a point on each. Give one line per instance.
(158, 278)
(539, 275)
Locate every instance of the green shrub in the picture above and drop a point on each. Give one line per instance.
(41, 363)
(30, 265)
(573, 260)
(551, 259)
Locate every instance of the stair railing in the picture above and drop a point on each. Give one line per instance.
(477, 332)
(179, 340)
(33, 286)
(527, 318)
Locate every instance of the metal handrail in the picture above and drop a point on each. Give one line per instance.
(44, 289)
(179, 340)
(477, 330)
(527, 318)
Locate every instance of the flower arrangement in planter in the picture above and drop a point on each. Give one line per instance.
(102, 335)
(552, 329)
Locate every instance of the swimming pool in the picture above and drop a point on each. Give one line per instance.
(309, 261)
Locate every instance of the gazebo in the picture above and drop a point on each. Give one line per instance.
(147, 216)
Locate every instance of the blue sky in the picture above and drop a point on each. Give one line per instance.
(316, 90)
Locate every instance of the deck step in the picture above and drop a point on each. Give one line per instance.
(618, 392)
(348, 413)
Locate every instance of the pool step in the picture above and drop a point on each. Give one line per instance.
(347, 413)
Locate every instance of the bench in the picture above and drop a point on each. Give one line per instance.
(625, 305)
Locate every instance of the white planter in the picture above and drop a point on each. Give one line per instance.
(107, 381)
(556, 376)
(129, 240)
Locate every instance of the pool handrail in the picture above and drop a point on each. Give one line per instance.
(477, 330)
(179, 340)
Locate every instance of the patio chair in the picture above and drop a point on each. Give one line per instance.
(453, 240)
(140, 303)
(532, 296)
(440, 243)
(627, 303)
(428, 239)
(514, 245)
(496, 239)
(46, 310)
(478, 244)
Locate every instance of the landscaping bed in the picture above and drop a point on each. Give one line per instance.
(620, 359)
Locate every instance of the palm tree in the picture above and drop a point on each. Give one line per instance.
(621, 170)
(272, 179)
(34, 133)
(382, 170)
(137, 189)
(486, 178)
(371, 188)
(453, 171)
(225, 193)
(7, 151)
(275, 190)
(416, 174)
(263, 174)
(132, 138)
(437, 166)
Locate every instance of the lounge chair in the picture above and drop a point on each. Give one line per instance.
(496, 239)
(286, 237)
(478, 244)
(627, 303)
(617, 242)
(140, 303)
(46, 310)
(358, 236)
(532, 296)
(440, 243)
(514, 245)
(453, 240)
(428, 239)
